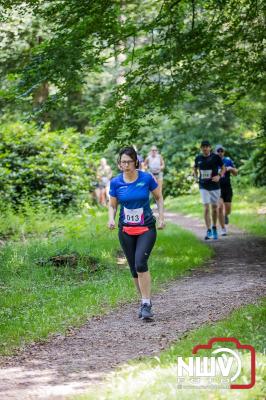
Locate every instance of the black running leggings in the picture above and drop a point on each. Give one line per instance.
(137, 249)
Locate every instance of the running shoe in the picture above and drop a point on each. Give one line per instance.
(226, 220)
(140, 310)
(146, 311)
(208, 234)
(223, 232)
(214, 233)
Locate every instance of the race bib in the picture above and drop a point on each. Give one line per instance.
(205, 173)
(134, 216)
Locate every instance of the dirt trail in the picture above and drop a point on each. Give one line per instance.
(66, 365)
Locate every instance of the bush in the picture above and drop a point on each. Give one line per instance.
(254, 170)
(177, 182)
(53, 168)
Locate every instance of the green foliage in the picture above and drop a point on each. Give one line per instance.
(205, 48)
(51, 167)
(77, 33)
(24, 34)
(177, 182)
(170, 48)
(255, 167)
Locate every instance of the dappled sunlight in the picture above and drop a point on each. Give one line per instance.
(142, 382)
(43, 381)
(244, 212)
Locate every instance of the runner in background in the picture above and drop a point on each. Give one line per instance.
(225, 204)
(140, 159)
(137, 225)
(104, 174)
(208, 164)
(155, 165)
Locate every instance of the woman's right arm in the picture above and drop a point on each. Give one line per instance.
(162, 163)
(113, 203)
(146, 163)
(159, 200)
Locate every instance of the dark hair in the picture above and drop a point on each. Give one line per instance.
(131, 152)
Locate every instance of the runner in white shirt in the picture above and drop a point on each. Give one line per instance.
(155, 165)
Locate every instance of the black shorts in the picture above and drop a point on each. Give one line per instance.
(227, 194)
(137, 249)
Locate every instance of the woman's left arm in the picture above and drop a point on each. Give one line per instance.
(159, 201)
(162, 163)
(232, 169)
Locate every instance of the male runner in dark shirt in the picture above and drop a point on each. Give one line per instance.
(208, 164)
(226, 188)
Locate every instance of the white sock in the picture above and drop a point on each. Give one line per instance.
(146, 301)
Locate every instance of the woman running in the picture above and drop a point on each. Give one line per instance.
(155, 164)
(104, 174)
(137, 229)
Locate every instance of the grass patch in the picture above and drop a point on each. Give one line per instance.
(28, 222)
(248, 208)
(156, 377)
(39, 298)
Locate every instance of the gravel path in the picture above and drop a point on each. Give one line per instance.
(70, 364)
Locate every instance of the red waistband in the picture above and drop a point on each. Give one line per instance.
(135, 230)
